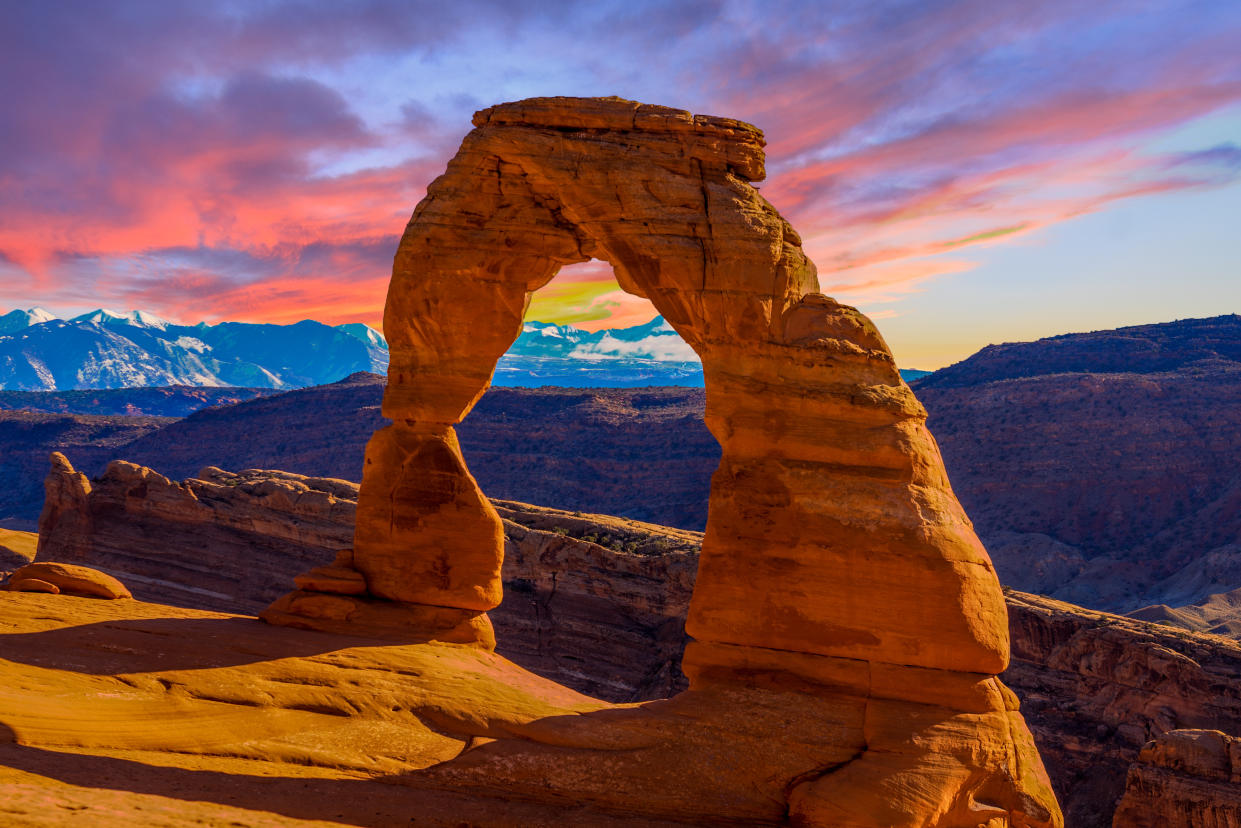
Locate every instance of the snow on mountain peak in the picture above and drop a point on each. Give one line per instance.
(365, 333)
(20, 320)
(136, 318)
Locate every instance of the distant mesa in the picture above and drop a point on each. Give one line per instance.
(1104, 468)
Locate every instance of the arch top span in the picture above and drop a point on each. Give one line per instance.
(661, 194)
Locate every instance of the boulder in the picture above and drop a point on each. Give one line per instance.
(71, 579)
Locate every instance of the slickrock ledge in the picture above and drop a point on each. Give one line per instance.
(837, 567)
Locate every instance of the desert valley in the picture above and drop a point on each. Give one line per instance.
(598, 603)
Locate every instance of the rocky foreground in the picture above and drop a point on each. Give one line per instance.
(598, 604)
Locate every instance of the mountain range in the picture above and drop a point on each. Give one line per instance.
(105, 349)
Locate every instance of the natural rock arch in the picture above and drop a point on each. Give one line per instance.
(836, 556)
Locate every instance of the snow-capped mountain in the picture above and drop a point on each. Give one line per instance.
(136, 319)
(106, 349)
(648, 354)
(365, 333)
(20, 319)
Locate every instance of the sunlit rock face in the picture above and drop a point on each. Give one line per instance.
(839, 577)
(1185, 777)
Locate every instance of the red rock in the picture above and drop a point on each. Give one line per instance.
(1189, 778)
(834, 545)
(72, 579)
(598, 603)
(220, 540)
(32, 585)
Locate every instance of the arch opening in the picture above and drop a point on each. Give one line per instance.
(591, 446)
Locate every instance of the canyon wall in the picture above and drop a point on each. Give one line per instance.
(1188, 778)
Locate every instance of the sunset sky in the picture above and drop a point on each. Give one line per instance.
(965, 172)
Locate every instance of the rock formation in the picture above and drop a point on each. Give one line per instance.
(837, 569)
(598, 604)
(55, 578)
(219, 541)
(1189, 778)
(594, 602)
(1097, 687)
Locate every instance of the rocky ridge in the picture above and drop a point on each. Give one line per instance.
(594, 602)
(1102, 468)
(168, 401)
(1097, 687)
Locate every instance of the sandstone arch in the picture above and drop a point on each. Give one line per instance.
(836, 556)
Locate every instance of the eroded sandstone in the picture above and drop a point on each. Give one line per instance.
(55, 578)
(594, 602)
(1189, 778)
(837, 564)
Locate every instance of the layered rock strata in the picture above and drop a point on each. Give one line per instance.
(836, 559)
(220, 541)
(1096, 688)
(1102, 468)
(1189, 778)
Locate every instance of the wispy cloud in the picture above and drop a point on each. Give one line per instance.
(258, 161)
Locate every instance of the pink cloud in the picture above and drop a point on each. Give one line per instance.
(172, 157)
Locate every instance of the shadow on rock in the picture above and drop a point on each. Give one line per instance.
(363, 802)
(148, 645)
